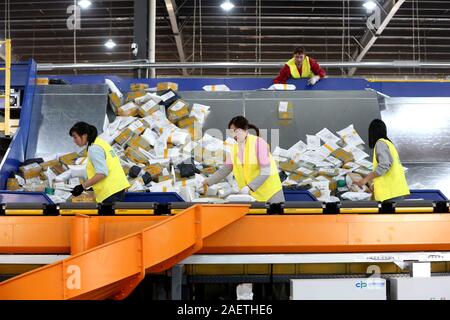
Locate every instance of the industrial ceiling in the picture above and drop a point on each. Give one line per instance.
(254, 30)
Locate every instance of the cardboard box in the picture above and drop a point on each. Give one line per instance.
(209, 157)
(195, 132)
(168, 97)
(87, 196)
(329, 172)
(154, 170)
(59, 169)
(134, 94)
(125, 136)
(69, 158)
(289, 166)
(148, 108)
(297, 177)
(285, 110)
(187, 122)
(135, 155)
(42, 81)
(138, 127)
(116, 101)
(49, 164)
(342, 155)
(129, 109)
(138, 86)
(161, 86)
(177, 111)
(363, 171)
(12, 184)
(137, 142)
(164, 178)
(208, 171)
(332, 183)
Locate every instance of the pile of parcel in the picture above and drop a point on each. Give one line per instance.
(159, 139)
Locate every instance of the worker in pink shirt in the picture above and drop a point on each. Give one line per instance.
(301, 66)
(251, 163)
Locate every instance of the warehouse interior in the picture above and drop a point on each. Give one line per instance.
(160, 80)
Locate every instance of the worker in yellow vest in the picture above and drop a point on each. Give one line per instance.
(104, 171)
(253, 167)
(301, 66)
(389, 181)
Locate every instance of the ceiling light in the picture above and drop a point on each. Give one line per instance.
(227, 5)
(370, 5)
(110, 44)
(84, 4)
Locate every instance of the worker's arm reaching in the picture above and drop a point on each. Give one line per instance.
(384, 159)
(97, 157)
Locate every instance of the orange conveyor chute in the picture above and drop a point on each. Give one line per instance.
(114, 269)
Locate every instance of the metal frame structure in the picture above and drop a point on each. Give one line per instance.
(6, 125)
(235, 65)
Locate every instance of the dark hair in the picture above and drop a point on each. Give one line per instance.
(377, 130)
(299, 50)
(242, 123)
(85, 128)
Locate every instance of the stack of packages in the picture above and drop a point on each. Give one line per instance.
(327, 165)
(56, 175)
(158, 138)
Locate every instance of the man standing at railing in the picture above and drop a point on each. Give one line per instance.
(301, 66)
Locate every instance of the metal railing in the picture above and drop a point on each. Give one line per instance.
(235, 65)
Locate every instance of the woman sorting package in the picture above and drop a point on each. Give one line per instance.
(104, 171)
(253, 167)
(389, 181)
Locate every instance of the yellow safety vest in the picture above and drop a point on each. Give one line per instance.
(393, 183)
(306, 69)
(115, 181)
(249, 170)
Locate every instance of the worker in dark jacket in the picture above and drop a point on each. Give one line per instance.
(104, 171)
(301, 66)
(389, 181)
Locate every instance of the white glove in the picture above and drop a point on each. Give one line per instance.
(245, 190)
(312, 81)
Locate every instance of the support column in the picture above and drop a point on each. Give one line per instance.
(140, 21)
(176, 282)
(152, 35)
(84, 234)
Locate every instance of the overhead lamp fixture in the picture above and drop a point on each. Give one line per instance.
(110, 44)
(370, 5)
(227, 5)
(84, 4)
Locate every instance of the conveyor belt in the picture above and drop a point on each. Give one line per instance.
(256, 208)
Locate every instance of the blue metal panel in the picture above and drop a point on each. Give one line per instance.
(413, 89)
(427, 194)
(16, 152)
(196, 84)
(298, 195)
(24, 197)
(19, 74)
(393, 89)
(157, 197)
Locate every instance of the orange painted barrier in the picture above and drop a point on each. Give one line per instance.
(114, 269)
(251, 234)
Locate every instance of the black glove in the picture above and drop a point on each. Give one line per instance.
(77, 190)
